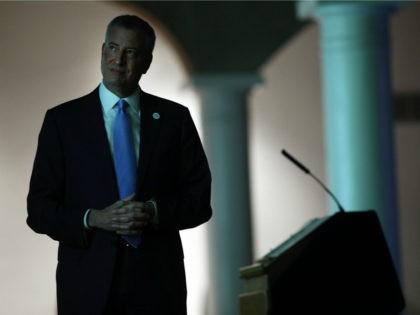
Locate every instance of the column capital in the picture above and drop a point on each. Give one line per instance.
(225, 81)
(315, 9)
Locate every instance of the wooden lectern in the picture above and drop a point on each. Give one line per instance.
(338, 264)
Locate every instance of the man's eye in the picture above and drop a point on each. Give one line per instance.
(131, 53)
(112, 48)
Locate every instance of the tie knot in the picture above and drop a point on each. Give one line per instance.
(122, 104)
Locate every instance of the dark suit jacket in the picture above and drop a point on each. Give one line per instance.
(73, 171)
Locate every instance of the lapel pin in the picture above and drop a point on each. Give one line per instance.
(156, 116)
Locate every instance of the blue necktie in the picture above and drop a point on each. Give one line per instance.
(125, 158)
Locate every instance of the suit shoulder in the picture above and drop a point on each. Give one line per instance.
(164, 104)
(74, 105)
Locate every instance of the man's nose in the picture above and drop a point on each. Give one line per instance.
(119, 57)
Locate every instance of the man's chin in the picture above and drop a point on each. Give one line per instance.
(116, 84)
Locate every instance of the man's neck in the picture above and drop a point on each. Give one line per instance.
(119, 91)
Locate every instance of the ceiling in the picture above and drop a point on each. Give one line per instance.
(226, 36)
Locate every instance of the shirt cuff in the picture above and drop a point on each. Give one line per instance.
(85, 220)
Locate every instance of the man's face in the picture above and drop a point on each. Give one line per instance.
(123, 60)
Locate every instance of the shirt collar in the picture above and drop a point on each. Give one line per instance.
(109, 99)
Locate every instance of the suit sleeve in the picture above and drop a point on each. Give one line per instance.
(189, 206)
(47, 213)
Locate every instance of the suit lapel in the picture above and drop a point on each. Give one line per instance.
(150, 126)
(99, 141)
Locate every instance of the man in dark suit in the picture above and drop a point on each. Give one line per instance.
(75, 194)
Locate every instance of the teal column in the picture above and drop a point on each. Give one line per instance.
(358, 112)
(224, 121)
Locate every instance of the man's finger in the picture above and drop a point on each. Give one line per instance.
(120, 211)
(130, 198)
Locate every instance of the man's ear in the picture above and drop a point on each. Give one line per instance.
(146, 63)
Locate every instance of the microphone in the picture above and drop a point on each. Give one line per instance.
(307, 171)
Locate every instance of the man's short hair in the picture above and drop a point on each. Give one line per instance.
(133, 22)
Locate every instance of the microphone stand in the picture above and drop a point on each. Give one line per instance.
(307, 171)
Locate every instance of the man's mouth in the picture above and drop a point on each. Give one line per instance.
(116, 70)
